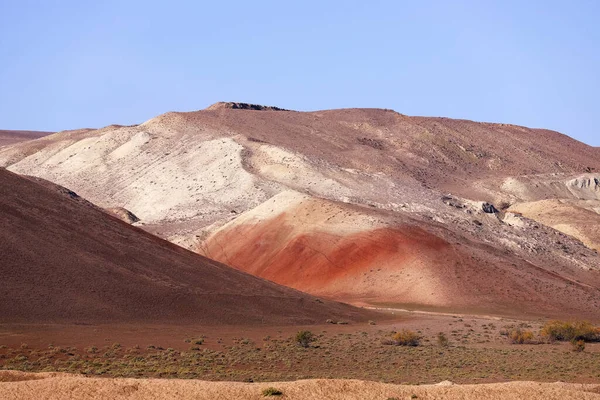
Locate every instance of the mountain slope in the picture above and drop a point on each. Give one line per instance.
(12, 137)
(64, 260)
(365, 205)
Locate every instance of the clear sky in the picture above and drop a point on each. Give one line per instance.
(71, 64)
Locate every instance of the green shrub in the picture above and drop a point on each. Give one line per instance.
(407, 338)
(305, 338)
(271, 391)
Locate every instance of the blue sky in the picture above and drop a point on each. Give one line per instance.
(71, 64)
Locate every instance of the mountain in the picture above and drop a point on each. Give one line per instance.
(12, 137)
(367, 206)
(66, 261)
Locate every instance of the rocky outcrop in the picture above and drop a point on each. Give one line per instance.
(489, 208)
(243, 106)
(585, 182)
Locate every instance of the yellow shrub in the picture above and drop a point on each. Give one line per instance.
(407, 338)
(519, 336)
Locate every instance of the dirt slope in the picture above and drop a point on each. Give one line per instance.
(65, 261)
(362, 204)
(366, 256)
(12, 137)
(577, 218)
(54, 386)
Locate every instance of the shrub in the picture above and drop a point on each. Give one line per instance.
(407, 338)
(518, 336)
(563, 331)
(578, 345)
(271, 391)
(305, 338)
(442, 340)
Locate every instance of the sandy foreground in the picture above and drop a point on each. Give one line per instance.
(20, 385)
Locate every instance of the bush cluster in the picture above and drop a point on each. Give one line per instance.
(406, 338)
(305, 338)
(570, 331)
(519, 336)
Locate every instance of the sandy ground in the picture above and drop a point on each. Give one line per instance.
(54, 386)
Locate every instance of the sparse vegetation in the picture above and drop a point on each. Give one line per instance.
(342, 353)
(305, 338)
(271, 391)
(198, 341)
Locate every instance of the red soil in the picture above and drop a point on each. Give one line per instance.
(317, 260)
(404, 266)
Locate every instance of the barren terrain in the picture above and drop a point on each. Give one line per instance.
(365, 206)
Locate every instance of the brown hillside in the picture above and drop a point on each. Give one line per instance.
(63, 261)
(12, 137)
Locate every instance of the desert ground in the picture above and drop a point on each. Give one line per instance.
(110, 360)
(478, 350)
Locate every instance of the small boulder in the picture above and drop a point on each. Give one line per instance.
(489, 208)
